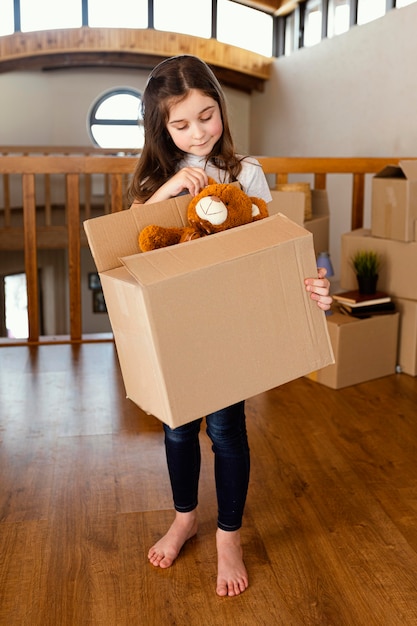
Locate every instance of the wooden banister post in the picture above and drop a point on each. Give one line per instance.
(358, 195)
(281, 179)
(6, 198)
(319, 181)
(116, 186)
(74, 256)
(31, 257)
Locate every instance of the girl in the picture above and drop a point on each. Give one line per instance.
(188, 139)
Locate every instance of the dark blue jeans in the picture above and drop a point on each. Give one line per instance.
(227, 431)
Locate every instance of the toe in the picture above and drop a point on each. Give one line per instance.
(221, 589)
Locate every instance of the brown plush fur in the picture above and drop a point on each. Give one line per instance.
(217, 207)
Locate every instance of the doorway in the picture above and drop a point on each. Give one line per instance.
(15, 306)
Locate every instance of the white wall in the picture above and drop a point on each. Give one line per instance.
(353, 95)
(52, 107)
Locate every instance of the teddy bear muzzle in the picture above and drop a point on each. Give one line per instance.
(212, 209)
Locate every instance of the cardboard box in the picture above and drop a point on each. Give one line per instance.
(292, 204)
(397, 274)
(201, 325)
(394, 202)
(364, 349)
(297, 187)
(289, 204)
(407, 340)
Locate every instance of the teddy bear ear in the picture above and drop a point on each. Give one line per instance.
(259, 209)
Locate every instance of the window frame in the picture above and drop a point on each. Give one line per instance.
(92, 119)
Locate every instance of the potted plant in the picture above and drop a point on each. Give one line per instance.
(366, 264)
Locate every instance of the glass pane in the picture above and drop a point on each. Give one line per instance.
(121, 106)
(184, 16)
(7, 17)
(369, 10)
(289, 46)
(244, 27)
(312, 24)
(118, 136)
(404, 3)
(120, 14)
(338, 17)
(48, 14)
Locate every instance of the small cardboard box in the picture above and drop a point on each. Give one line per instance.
(364, 349)
(204, 324)
(397, 274)
(293, 206)
(407, 340)
(394, 202)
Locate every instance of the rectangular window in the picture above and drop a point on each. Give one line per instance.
(289, 46)
(338, 17)
(7, 17)
(369, 10)
(244, 27)
(49, 14)
(312, 23)
(120, 14)
(183, 16)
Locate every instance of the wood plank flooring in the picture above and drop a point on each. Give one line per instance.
(330, 530)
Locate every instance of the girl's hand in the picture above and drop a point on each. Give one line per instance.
(191, 179)
(319, 289)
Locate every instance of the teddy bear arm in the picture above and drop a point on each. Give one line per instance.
(153, 237)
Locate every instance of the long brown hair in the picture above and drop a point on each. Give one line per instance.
(171, 80)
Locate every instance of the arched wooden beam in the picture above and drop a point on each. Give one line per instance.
(129, 48)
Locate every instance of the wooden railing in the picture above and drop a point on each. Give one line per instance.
(321, 167)
(45, 185)
(74, 168)
(116, 168)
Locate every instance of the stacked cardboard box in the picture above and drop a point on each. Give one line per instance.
(364, 349)
(393, 236)
(293, 206)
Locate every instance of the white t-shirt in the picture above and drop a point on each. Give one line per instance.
(251, 177)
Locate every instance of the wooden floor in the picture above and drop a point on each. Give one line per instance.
(330, 531)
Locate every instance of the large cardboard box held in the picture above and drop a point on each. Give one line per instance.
(292, 204)
(407, 340)
(394, 201)
(204, 324)
(364, 349)
(397, 274)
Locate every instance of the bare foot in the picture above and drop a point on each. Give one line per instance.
(166, 550)
(232, 577)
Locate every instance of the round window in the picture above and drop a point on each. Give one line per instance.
(115, 120)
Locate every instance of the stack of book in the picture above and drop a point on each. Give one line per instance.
(363, 305)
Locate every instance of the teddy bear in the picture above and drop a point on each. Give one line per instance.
(217, 207)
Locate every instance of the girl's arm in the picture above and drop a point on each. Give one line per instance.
(191, 179)
(319, 289)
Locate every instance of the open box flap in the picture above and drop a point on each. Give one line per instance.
(184, 258)
(409, 167)
(109, 236)
(406, 169)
